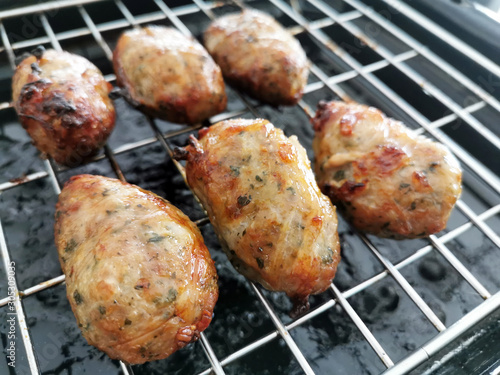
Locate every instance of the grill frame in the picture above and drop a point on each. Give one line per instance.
(314, 29)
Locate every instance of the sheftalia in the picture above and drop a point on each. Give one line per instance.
(385, 179)
(259, 191)
(139, 278)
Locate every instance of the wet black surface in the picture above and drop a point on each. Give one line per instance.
(330, 342)
(393, 318)
(441, 288)
(150, 168)
(22, 157)
(272, 358)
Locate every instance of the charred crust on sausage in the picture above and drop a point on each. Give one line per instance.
(323, 104)
(300, 306)
(350, 189)
(180, 153)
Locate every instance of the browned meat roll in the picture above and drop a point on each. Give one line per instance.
(139, 278)
(168, 75)
(386, 180)
(62, 102)
(260, 194)
(257, 55)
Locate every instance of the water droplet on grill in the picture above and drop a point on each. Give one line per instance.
(432, 270)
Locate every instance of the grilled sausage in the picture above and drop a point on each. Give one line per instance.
(139, 278)
(62, 102)
(257, 55)
(168, 75)
(386, 180)
(273, 222)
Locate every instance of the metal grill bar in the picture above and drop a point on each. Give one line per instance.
(8, 47)
(370, 68)
(173, 18)
(44, 285)
(324, 79)
(325, 22)
(19, 311)
(128, 16)
(53, 176)
(31, 177)
(106, 26)
(152, 17)
(216, 365)
(451, 117)
(126, 369)
(386, 360)
(50, 33)
(114, 163)
(285, 335)
(95, 32)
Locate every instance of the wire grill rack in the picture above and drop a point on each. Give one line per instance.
(344, 15)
